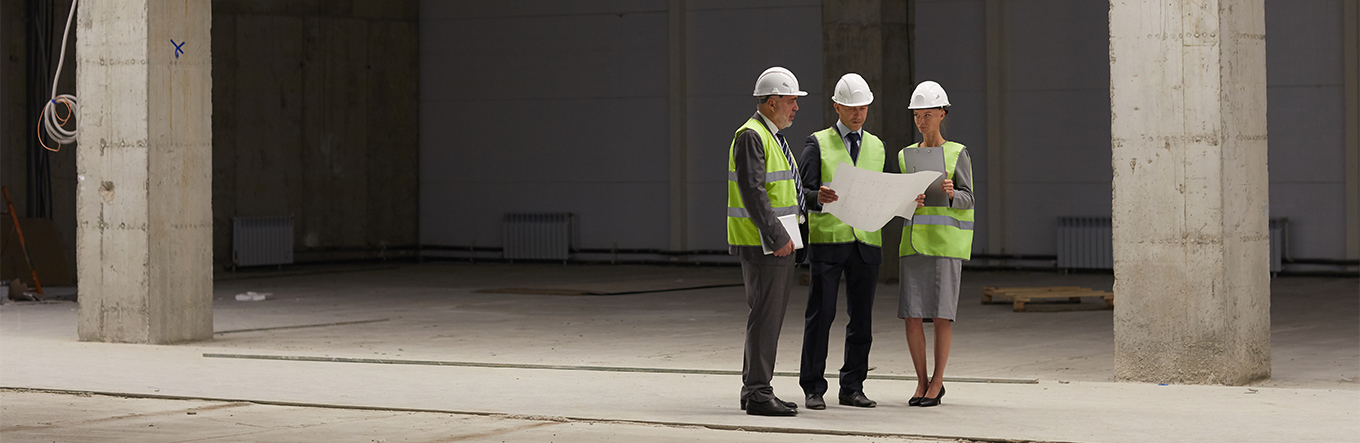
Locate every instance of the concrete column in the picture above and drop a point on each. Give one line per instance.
(852, 42)
(144, 242)
(896, 125)
(869, 37)
(679, 127)
(1188, 112)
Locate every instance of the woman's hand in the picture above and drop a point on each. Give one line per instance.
(826, 195)
(948, 187)
(921, 200)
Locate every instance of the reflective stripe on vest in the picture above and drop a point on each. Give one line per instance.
(937, 230)
(927, 219)
(779, 188)
(778, 212)
(824, 227)
(769, 176)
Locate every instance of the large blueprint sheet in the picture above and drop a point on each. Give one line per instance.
(867, 200)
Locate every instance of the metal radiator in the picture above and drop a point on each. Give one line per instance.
(1085, 242)
(258, 241)
(1278, 243)
(537, 236)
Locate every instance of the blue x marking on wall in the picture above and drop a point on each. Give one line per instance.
(179, 47)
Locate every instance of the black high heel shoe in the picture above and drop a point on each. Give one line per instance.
(927, 402)
(916, 401)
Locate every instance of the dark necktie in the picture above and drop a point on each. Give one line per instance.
(797, 181)
(854, 146)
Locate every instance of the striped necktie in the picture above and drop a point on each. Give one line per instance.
(797, 180)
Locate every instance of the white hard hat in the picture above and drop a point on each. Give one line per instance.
(852, 90)
(777, 81)
(928, 95)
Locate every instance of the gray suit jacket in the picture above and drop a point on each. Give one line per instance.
(749, 156)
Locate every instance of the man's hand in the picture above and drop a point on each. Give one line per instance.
(921, 200)
(785, 251)
(826, 195)
(948, 188)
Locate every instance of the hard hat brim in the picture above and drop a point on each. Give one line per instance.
(865, 103)
(796, 93)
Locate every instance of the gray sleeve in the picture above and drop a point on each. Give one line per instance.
(810, 172)
(963, 182)
(749, 159)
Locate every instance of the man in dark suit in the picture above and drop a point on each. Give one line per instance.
(835, 248)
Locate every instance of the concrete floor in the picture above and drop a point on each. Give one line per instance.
(414, 353)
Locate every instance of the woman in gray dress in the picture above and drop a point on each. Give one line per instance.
(934, 244)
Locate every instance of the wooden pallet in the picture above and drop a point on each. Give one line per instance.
(1018, 296)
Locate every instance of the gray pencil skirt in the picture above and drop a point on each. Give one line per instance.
(929, 287)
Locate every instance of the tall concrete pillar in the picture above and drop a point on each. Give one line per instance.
(144, 210)
(1188, 112)
(870, 38)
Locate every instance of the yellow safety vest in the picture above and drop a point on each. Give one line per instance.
(778, 186)
(938, 230)
(824, 227)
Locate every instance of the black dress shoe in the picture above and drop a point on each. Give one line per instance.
(772, 407)
(814, 401)
(927, 402)
(915, 401)
(857, 399)
(787, 404)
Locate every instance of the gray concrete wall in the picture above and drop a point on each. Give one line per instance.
(951, 49)
(731, 43)
(1307, 124)
(1056, 142)
(143, 255)
(311, 120)
(1188, 112)
(562, 107)
(315, 116)
(1056, 132)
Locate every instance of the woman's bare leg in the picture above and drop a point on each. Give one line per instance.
(943, 335)
(916, 343)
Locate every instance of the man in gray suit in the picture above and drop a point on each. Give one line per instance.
(763, 186)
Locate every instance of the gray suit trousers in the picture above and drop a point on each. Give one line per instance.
(768, 280)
